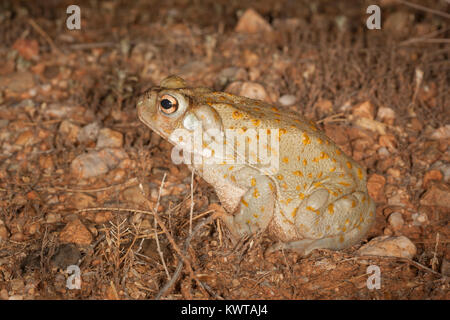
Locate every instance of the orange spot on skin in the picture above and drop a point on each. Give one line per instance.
(288, 200)
(271, 186)
(319, 140)
(305, 162)
(310, 175)
(371, 213)
(316, 211)
(286, 160)
(345, 184)
(245, 203)
(255, 215)
(301, 196)
(294, 213)
(236, 114)
(332, 169)
(341, 239)
(323, 155)
(353, 203)
(360, 174)
(279, 177)
(330, 208)
(298, 188)
(256, 193)
(298, 173)
(256, 122)
(338, 152)
(305, 139)
(284, 186)
(233, 178)
(253, 182)
(349, 165)
(282, 131)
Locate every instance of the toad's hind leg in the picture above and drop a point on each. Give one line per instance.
(328, 222)
(255, 210)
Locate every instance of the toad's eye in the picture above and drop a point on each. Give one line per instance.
(168, 104)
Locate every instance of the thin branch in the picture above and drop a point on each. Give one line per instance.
(419, 7)
(177, 272)
(155, 209)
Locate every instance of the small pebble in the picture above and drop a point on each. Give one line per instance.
(287, 100)
(389, 246)
(108, 138)
(396, 221)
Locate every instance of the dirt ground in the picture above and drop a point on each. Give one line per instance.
(73, 153)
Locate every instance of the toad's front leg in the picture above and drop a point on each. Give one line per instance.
(256, 207)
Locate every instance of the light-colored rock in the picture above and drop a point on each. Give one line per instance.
(75, 232)
(69, 130)
(252, 22)
(89, 132)
(441, 133)
(383, 152)
(96, 163)
(419, 219)
(396, 221)
(364, 110)
(231, 74)
(248, 89)
(287, 100)
(386, 115)
(400, 247)
(372, 125)
(400, 197)
(108, 138)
